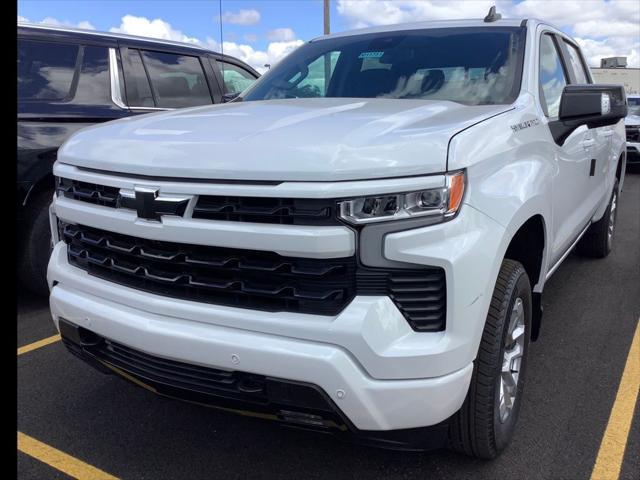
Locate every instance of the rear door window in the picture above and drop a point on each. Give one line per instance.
(136, 81)
(236, 78)
(176, 80)
(45, 70)
(94, 85)
(576, 64)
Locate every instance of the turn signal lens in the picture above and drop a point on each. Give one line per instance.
(455, 184)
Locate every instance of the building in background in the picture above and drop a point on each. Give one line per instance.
(614, 70)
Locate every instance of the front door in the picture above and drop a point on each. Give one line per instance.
(572, 206)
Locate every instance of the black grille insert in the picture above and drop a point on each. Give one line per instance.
(286, 211)
(88, 192)
(224, 276)
(633, 133)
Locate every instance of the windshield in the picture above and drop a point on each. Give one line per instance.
(634, 106)
(473, 66)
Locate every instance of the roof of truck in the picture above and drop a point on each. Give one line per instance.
(397, 27)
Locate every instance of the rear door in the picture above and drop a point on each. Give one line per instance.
(602, 159)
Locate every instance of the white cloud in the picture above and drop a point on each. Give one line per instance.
(602, 28)
(594, 50)
(156, 28)
(362, 13)
(275, 52)
(281, 35)
(250, 37)
(242, 17)
(159, 28)
(86, 25)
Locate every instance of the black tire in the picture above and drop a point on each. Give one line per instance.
(479, 429)
(36, 246)
(597, 242)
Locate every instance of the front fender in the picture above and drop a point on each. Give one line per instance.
(509, 171)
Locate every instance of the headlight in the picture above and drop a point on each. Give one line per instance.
(443, 202)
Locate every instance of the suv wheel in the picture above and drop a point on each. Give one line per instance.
(36, 249)
(485, 424)
(598, 240)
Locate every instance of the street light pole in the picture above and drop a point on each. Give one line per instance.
(327, 27)
(327, 58)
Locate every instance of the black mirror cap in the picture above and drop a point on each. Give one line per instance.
(586, 104)
(593, 105)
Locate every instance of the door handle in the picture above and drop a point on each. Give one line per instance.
(607, 133)
(588, 143)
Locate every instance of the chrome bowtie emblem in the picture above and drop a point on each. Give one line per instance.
(149, 205)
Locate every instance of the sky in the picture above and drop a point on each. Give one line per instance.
(263, 31)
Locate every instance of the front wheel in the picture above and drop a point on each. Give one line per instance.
(485, 424)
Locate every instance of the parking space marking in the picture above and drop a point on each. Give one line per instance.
(40, 343)
(59, 460)
(614, 440)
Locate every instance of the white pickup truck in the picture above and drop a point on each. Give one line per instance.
(358, 243)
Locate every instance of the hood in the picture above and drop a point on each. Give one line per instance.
(278, 140)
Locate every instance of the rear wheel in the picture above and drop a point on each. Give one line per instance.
(36, 249)
(598, 240)
(485, 424)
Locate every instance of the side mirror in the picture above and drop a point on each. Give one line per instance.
(591, 105)
(229, 97)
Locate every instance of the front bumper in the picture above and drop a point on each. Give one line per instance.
(380, 374)
(368, 403)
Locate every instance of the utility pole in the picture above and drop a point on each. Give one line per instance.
(327, 57)
(327, 25)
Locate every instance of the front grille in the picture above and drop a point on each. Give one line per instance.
(254, 279)
(633, 133)
(283, 211)
(88, 192)
(286, 211)
(224, 276)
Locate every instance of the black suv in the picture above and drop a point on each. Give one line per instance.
(69, 79)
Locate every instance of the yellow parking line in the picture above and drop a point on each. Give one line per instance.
(60, 460)
(614, 441)
(38, 344)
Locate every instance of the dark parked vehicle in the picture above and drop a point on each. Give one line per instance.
(69, 79)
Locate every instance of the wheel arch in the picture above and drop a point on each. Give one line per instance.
(528, 245)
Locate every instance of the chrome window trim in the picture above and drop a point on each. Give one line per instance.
(152, 108)
(116, 88)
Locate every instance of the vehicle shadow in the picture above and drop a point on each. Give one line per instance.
(28, 302)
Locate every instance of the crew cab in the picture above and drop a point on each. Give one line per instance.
(358, 243)
(71, 78)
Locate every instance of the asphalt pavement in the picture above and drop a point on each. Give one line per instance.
(591, 307)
